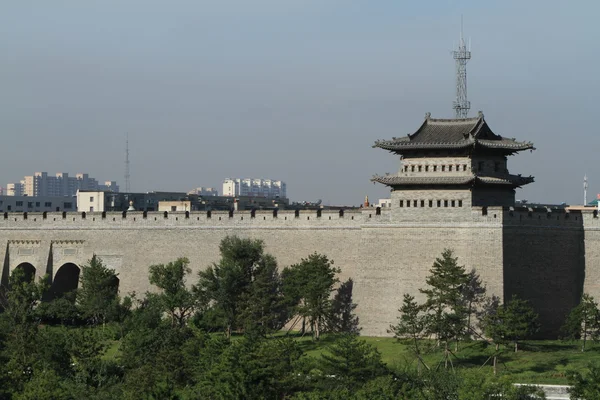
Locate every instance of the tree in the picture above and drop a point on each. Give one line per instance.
(265, 310)
(226, 285)
(512, 322)
(342, 318)
(310, 283)
(98, 296)
(351, 362)
(20, 323)
(585, 386)
(583, 321)
(473, 297)
(411, 324)
(447, 314)
(176, 299)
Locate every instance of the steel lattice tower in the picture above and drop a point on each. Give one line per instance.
(127, 186)
(461, 105)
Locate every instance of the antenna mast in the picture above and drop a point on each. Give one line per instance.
(461, 105)
(127, 184)
(585, 186)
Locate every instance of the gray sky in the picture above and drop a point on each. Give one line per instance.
(296, 90)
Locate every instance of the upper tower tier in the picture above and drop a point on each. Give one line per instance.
(468, 134)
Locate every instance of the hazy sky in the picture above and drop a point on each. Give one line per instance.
(296, 90)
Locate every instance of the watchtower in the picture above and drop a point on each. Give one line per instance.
(452, 164)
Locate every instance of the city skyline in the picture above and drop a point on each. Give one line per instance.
(300, 90)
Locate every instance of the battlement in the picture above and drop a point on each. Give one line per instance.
(237, 219)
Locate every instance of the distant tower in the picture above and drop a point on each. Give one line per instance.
(127, 185)
(461, 105)
(585, 186)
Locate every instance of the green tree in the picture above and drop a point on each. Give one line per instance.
(175, 298)
(309, 284)
(226, 286)
(98, 296)
(583, 322)
(585, 386)
(351, 362)
(473, 295)
(342, 318)
(20, 323)
(512, 322)
(411, 324)
(265, 310)
(444, 303)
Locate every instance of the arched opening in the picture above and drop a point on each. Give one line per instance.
(65, 281)
(28, 274)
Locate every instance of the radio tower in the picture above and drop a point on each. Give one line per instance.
(585, 186)
(127, 186)
(461, 105)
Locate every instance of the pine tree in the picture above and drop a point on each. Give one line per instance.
(583, 322)
(411, 324)
(447, 314)
(310, 283)
(265, 310)
(512, 322)
(98, 296)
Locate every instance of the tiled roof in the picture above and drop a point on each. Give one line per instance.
(453, 134)
(395, 180)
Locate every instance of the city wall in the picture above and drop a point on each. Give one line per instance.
(549, 258)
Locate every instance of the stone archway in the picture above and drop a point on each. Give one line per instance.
(65, 281)
(28, 271)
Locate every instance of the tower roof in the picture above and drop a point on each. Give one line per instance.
(453, 134)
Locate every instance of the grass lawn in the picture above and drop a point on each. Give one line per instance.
(537, 361)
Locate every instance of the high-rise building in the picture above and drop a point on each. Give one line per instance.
(255, 187)
(41, 184)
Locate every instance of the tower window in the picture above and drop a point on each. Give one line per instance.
(412, 168)
(449, 168)
(414, 203)
(422, 203)
(434, 168)
(465, 167)
(430, 203)
(401, 203)
(453, 203)
(419, 168)
(445, 203)
(439, 203)
(407, 203)
(460, 203)
(427, 168)
(443, 168)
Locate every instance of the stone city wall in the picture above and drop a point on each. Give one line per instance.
(547, 258)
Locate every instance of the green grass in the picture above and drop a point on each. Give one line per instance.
(537, 361)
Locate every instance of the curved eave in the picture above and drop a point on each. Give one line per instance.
(514, 181)
(397, 181)
(504, 145)
(405, 146)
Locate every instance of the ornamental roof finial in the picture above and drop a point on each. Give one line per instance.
(427, 115)
(479, 114)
